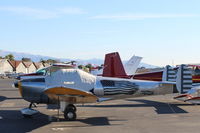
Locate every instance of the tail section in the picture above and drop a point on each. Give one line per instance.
(182, 76)
(183, 79)
(132, 65)
(113, 66)
(169, 74)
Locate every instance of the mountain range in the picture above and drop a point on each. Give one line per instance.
(37, 58)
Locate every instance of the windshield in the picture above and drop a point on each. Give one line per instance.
(42, 71)
(51, 69)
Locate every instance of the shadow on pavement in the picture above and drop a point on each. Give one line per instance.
(2, 98)
(161, 107)
(92, 121)
(96, 121)
(13, 121)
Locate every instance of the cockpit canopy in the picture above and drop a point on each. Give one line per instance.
(53, 68)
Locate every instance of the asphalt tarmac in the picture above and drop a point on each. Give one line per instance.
(155, 114)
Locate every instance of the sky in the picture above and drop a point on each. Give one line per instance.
(161, 31)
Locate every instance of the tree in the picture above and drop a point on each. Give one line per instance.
(51, 61)
(71, 62)
(42, 61)
(9, 57)
(1, 57)
(80, 66)
(26, 59)
(89, 66)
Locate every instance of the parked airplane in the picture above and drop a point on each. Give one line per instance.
(67, 87)
(157, 76)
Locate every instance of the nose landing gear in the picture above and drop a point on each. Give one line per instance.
(28, 112)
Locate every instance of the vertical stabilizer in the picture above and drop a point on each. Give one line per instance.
(132, 65)
(184, 79)
(169, 74)
(113, 66)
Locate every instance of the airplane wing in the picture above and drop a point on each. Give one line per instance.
(70, 95)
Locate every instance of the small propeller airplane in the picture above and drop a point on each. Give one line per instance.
(68, 86)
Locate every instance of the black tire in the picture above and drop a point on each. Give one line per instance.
(72, 106)
(69, 114)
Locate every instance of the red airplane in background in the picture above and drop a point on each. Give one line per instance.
(157, 76)
(113, 67)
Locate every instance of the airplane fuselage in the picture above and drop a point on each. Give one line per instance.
(32, 89)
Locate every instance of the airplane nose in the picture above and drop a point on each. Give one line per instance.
(16, 85)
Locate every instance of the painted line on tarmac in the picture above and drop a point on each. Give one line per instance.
(53, 110)
(171, 108)
(59, 129)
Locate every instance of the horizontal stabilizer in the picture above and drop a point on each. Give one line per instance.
(193, 100)
(183, 97)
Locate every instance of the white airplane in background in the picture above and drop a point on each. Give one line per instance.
(132, 65)
(113, 65)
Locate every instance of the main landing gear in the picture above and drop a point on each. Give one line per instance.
(70, 112)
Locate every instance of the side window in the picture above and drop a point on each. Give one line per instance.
(41, 72)
(48, 72)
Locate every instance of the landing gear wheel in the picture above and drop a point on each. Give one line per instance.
(70, 114)
(72, 107)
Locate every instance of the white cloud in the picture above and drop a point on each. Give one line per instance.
(143, 16)
(71, 11)
(41, 13)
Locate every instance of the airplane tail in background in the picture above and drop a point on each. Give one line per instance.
(169, 74)
(183, 79)
(184, 86)
(113, 66)
(182, 76)
(132, 65)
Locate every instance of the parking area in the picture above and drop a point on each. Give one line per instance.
(155, 114)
